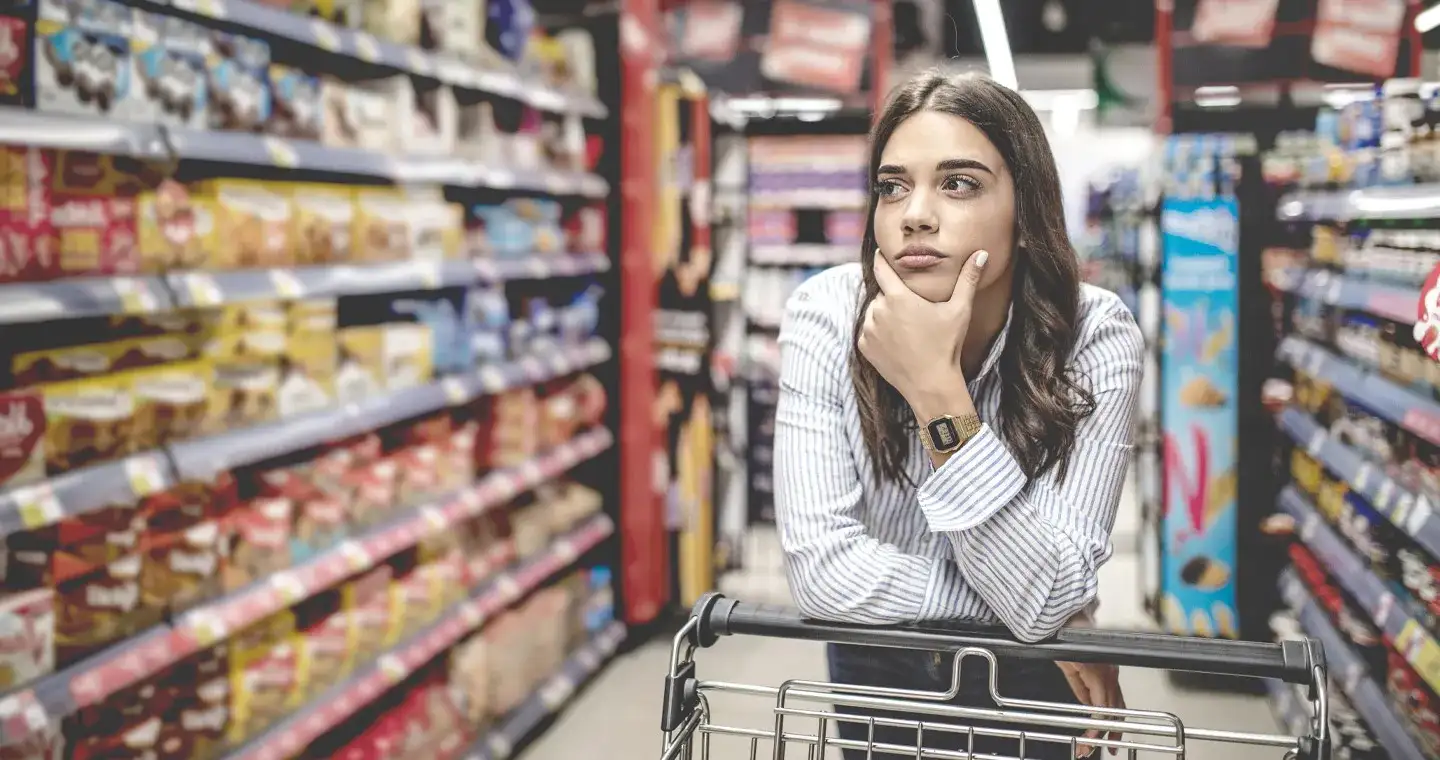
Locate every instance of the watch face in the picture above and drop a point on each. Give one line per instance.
(943, 435)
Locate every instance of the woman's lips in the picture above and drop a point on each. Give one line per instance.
(917, 262)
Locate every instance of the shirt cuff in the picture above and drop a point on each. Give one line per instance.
(972, 485)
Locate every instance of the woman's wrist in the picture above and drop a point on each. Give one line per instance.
(939, 394)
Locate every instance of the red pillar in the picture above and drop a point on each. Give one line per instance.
(882, 53)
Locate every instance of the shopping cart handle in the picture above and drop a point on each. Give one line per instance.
(1292, 661)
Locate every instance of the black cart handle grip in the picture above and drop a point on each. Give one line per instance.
(1291, 661)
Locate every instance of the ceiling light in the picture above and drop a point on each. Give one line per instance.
(997, 43)
(1427, 19)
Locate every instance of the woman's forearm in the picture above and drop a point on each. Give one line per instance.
(944, 394)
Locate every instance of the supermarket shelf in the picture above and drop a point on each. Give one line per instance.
(202, 289)
(1394, 302)
(85, 490)
(1406, 634)
(278, 24)
(59, 695)
(23, 126)
(23, 302)
(1410, 410)
(541, 267)
(1400, 202)
(1349, 672)
(492, 597)
(1409, 511)
(1290, 711)
(511, 733)
(203, 458)
(806, 255)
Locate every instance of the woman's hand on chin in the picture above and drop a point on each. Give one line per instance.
(913, 343)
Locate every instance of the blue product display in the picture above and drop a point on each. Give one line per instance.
(504, 234)
(487, 322)
(450, 341)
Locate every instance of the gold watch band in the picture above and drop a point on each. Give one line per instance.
(946, 433)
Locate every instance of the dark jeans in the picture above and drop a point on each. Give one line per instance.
(931, 671)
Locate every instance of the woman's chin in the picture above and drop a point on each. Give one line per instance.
(933, 286)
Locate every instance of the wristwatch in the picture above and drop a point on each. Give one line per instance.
(946, 434)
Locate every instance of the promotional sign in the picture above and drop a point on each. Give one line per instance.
(816, 46)
(1199, 416)
(1358, 35)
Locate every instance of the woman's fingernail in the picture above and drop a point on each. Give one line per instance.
(980, 258)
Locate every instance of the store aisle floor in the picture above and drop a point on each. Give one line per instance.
(618, 717)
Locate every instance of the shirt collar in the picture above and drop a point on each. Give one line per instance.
(998, 346)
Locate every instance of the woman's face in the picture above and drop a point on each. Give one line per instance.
(944, 193)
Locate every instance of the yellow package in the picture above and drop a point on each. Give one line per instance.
(264, 674)
(252, 222)
(173, 228)
(88, 421)
(315, 316)
(407, 356)
(324, 221)
(172, 402)
(245, 392)
(359, 371)
(307, 375)
(382, 229)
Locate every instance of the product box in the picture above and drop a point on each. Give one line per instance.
(97, 609)
(16, 53)
(382, 226)
(84, 62)
(172, 63)
(395, 20)
(88, 421)
(358, 116)
(324, 223)
(22, 437)
(27, 239)
(172, 402)
(95, 235)
(172, 227)
(342, 12)
(238, 86)
(27, 637)
(252, 222)
(260, 542)
(295, 109)
(307, 374)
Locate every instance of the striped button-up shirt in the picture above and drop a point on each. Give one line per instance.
(976, 539)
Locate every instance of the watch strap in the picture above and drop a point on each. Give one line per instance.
(946, 433)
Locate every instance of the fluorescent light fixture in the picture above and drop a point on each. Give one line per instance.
(1427, 19)
(1338, 96)
(997, 43)
(1223, 96)
(1051, 100)
(763, 106)
(810, 116)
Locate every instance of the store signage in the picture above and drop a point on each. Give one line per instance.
(1358, 35)
(816, 46)
(709, 30)
(1427, 316)
(1200, 369)
(1240, 23)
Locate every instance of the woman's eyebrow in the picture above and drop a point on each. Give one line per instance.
(954, 164)
(890, 169)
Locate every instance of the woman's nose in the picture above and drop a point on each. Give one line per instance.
(919, 218)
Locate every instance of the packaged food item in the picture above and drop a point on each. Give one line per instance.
(295, 105)
(395, 20)
(260, 541)
(84, 63)
(88, 421)
(172, 402)
(456, 26)
(239, 95)
(22, 437)
(342, 12)
(355, 116)
(171, 61)
(366, 601)
(373, 491)
(184, 568)
(324, 223)
(27, 636)
(97, 609)
(252, 222)
(382, 229)
(171, 228)
(324, 642)
(202, 708)
(264, 670)
(16, 74)
(95, 235)
(27, 239)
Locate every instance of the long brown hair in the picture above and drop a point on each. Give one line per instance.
(1041, 404)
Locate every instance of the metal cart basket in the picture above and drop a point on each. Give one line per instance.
(806, 713)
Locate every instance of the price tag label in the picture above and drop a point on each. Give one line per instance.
(1384, 495)
(286, 284)
(430, 274)
(1308, 526)
(1362, 478)
(1314, 362)
(392, 668)
(145, 476)
(327, 37)
(1317, 442)
(1419, 516)
(135, 296)
(355, 556)
(289, 588)
(589, 659)
(471, 616)
(203, 289)
(500, 747)
(1332, 292)
(502, 179)
(434, 518)
(455, 392)
(367, 47)
(538, 268)
(419, 62)
(1383, 607)
(208, 8)
(207, 630)
(508, 587)
(555, 693)
(558, 183)
(492, 380)
(37, 505)
(565, 550)
(282, 153)
(1353, 673)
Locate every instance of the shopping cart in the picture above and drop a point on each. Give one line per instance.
(803, 724)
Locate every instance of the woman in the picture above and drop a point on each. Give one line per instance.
(954, 422)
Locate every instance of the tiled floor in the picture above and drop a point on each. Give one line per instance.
(618, 718)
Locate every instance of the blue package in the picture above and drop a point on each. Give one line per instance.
(505, 235)
(450, 342)
(238, 82)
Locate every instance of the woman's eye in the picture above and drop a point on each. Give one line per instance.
(959, 184)
(887, 188)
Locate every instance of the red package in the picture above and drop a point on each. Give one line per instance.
(95, 235)
(27, 239)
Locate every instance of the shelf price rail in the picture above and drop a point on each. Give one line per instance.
(1407, 635)
(34, 506)
(1350, 673)
(1408, 409)
(490, 598)
(47, 701)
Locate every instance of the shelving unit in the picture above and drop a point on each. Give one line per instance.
(507, 333)
(1360, 418)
